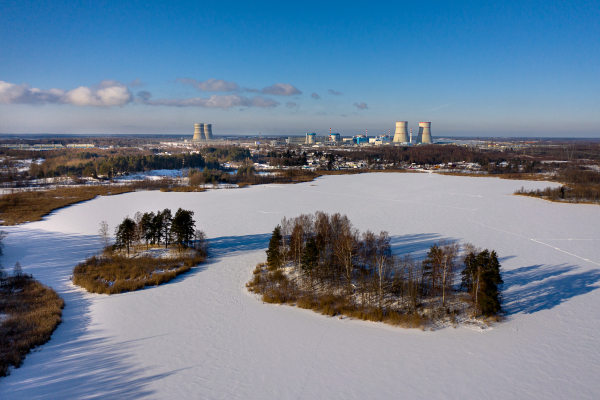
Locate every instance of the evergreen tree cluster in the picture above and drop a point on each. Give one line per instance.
(157, 228)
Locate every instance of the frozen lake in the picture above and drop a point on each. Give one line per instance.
(204, 336)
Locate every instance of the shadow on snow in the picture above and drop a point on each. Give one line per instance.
(78, 361)
(537, 287)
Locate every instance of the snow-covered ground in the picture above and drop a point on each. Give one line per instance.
(203, 335)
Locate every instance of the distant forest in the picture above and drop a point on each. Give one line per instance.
(97, 163)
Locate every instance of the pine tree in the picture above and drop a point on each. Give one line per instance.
(183, 227)
(125, 234)
(489, 297)
(481, 278)
(273, 252)
(147, 227)
(310, 257)
(432, 266)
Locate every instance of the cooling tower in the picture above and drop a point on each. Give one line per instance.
(198, 132)
(208, 131)
(425, 132)
(401, 136)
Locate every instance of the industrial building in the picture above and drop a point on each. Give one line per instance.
(380, 140)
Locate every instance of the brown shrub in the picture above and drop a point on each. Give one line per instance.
(112, 274)
(34, 311)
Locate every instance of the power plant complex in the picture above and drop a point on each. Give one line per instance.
(401, 134)
(202, 132)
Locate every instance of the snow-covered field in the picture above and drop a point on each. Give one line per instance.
(203, 336)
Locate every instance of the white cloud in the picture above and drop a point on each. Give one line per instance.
(281, 89)
(361, 106)
(315, 96)
(107, 93)
(215, 101)
(334, 92)
(291, 104)
(211, 85)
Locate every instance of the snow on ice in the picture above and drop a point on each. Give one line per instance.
(203, 335)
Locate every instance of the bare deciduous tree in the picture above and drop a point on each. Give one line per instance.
(104, 233)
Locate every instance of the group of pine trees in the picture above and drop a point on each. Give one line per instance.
(156, 228)
(329, 256)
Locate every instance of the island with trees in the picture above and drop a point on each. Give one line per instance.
(150, 249)
(321, 262)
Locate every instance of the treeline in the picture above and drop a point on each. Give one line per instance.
(579, 186)
(223, 154)
(432, 155)
(288, 158)
(162, 227)
(246, 175)
(322, 262)
(117, 165)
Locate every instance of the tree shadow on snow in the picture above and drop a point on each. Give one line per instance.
(417, 245)
(227, 246)
(78, 361)
(537, 287)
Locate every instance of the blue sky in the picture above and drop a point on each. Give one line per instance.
(512, 68)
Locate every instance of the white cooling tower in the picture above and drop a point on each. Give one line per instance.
(400, 136)
(198, 132)
(425, 132)
(208, 131)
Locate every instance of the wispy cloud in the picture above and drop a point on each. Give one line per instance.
(281, 89)
(107, 93)
(216, 101)
(291, 104)
(137, 82)
(321, 113)
(210, 85)
(315, 96)
(361, 106)
(144, 95)
(334, 92)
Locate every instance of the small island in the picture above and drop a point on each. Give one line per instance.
(29, 313)
(150, 249)
(321, 262)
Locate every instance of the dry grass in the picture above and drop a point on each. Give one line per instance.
(17, 208)
(518, 177)
(33, 312)
(183, 189)
(110, 274)
(276, 288)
